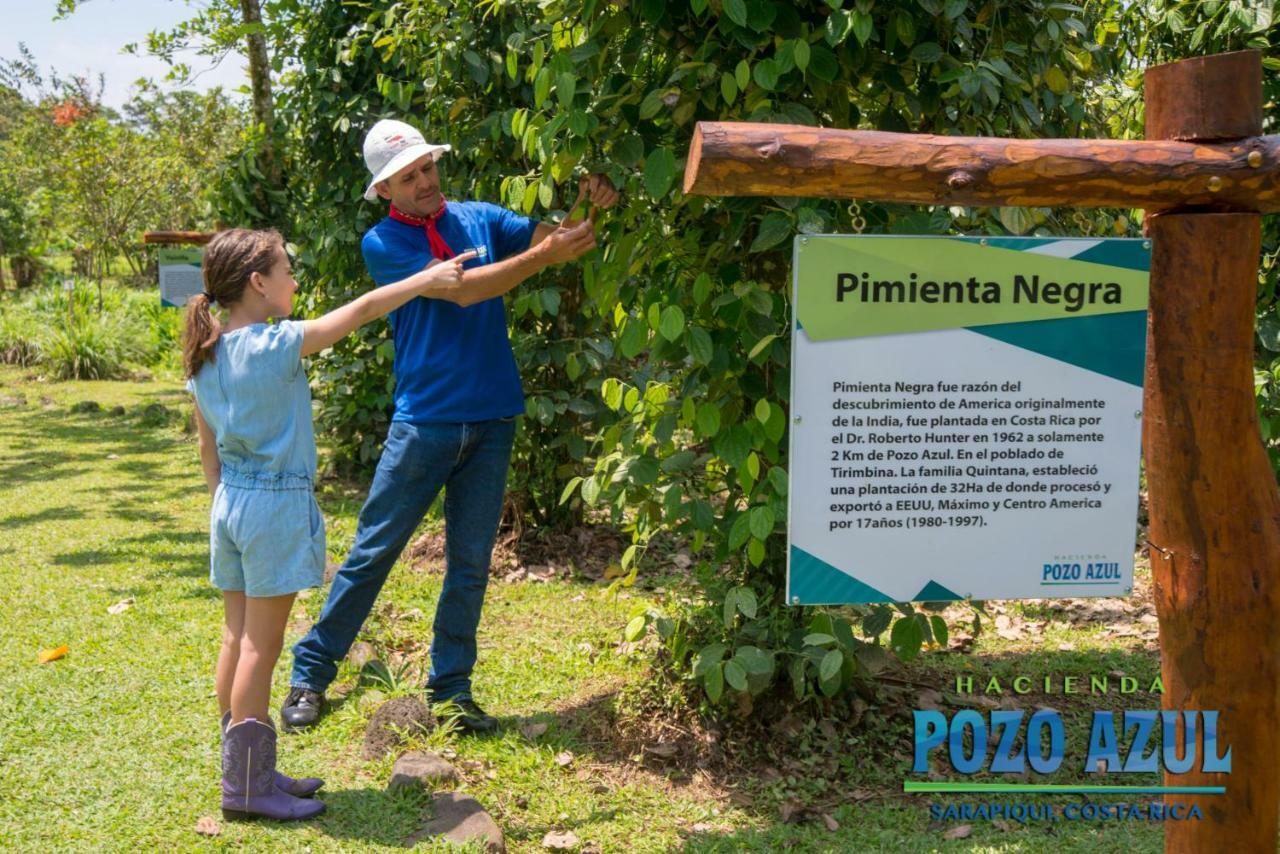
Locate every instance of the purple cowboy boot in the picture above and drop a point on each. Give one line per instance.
(248, 777)
(303, 787)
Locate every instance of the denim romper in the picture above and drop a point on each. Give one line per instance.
(266, 534)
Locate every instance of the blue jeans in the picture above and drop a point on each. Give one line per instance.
(470, 461)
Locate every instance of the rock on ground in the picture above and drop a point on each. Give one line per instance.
(419, 768)
(393, 722)
(460, 819)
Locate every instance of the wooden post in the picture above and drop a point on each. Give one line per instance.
(1215, 510)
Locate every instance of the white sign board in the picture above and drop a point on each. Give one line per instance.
(180, 276)
(966, 417)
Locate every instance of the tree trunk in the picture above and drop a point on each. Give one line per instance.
(1215, 510)
(260, 84)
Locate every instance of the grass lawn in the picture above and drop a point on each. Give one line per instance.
(115, 746)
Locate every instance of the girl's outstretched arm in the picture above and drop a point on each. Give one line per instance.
(438, 277)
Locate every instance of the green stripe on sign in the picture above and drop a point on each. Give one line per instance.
(1114, 345)
(1053, 287)
(815, 582)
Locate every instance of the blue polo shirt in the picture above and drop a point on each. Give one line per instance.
(452, 363)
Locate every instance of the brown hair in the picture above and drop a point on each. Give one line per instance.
(229, 259)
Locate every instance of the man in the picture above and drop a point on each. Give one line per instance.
(457, 395)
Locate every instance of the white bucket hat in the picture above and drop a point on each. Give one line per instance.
(389, 146)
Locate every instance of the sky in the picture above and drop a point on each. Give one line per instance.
(90, 40)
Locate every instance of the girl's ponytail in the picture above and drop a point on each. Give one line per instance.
(200, 336)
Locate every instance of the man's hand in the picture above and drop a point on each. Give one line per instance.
(600, 191)
(569, 242)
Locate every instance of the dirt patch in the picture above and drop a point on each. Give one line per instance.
(534, 554)
(393, 723)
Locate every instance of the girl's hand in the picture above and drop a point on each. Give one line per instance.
(445, 274)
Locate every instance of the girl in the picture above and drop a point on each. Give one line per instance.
(266, 538)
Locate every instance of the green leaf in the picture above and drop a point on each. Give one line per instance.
(1056, 80)
(763, 411)
(708, 420)
(874, 624)
(1017, 220)
(797, 668)
(906, 638)
(714, 682)
(737, 11)
(541, 86)
(761, 521)
(863, 26)
(778, 480)
(679, 461)
(643, 470)
(954, 8)
(742, 74)
(739, 532)
(774, 228)
(1269, 331)
(819, 639)
(700, 346)
(566, 85)
(746, 601)
(906, 27)
(659, 171)
(760, 345)
(940, 633)
(766, 74)
(831, 664)
(701, 288)
(926, 53)
(672, 323)
(754, 661)
(634, 629)
(728, 87)
(735, 675)
(569, 488)
(707, 658)
(635, 337)
(801, 52)
(590, 491)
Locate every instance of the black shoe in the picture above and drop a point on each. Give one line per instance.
(301, 709)
(467, 714)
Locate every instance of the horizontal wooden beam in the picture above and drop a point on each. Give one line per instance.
(198, 238)
(745, 159)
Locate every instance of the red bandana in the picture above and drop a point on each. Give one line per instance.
(439, 249)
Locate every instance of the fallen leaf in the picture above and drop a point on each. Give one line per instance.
(613, 570)
(208, 826)
(830, 822)
(1000, 824)
(964, 831)
(121, 606)
(664, 749)
(560, 840)
(533, 730)
(53, 654)
(564, 759)
(701, 827)
(1066, 647)
(581, 597)
(789, 810)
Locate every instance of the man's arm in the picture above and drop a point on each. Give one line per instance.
(481, 283)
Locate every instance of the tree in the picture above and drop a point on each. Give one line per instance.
(657, 374)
